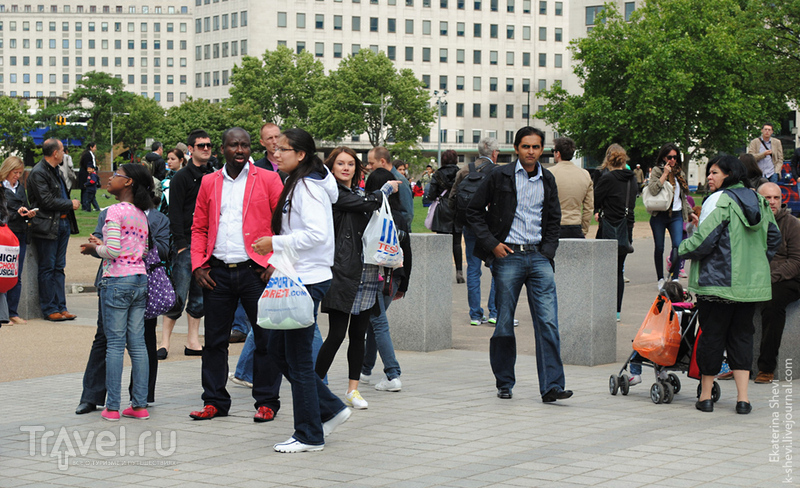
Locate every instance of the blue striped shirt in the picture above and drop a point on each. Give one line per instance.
(526, 228)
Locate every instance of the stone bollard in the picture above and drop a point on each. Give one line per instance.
(421, 321)
(29, 306)
(789, 353)
(586, 283)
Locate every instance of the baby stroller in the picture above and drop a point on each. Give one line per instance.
(667, 383)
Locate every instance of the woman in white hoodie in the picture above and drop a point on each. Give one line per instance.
(305, 224)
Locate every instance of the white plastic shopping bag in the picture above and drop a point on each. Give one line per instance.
(285, 303)
(381, 246)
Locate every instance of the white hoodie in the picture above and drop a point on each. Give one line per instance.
(308, 227)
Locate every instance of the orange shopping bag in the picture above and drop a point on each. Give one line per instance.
(659, 337)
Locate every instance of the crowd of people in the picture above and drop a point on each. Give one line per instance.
(216, 229)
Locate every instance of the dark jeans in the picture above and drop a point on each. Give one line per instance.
(773, 320)
(13, 294)
(94, 378)
(571, 232)
(659, 224)
(727, 327)
(234, 284)
(312, 401)
(89, 200)
(338, 327)
(52, 254)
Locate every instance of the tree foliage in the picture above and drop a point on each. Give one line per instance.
(14, 124)
(371, 79)
(281, 86)
(680, 71)
(144, 120)
(780, 41)
(214, 118)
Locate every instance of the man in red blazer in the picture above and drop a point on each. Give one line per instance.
(234, 208)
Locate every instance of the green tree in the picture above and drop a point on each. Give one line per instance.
(780, 41)
(14, 124)
(281, 85)
(214, 118)
(144, 120)
(679, 71)
(367, 94)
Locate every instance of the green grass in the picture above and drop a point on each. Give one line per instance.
(87, 221)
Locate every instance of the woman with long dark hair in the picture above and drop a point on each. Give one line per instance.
(123, 287)
(355, 287)
(668, 169)
(303, 221)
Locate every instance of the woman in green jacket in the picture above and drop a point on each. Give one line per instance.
(730, 273)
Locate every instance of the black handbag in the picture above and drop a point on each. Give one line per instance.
(443, 216)
(618, 231)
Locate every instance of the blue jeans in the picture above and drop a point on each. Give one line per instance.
(774, 178)
(312, 401)
(536, 272)
(659, 224)
(52, 254)
(474, 280)
(124, 299)
(186, 287)
(13, 294)
(379, 339)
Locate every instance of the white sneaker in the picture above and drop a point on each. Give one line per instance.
(389, 385)
(293, 445)
(233, 379)
(365, 378)
(337, 420)
(355, 400)
(661, 283)
(516, 323)
(626, 279)
(635, 380)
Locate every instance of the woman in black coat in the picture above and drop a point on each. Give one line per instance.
(87, 160)
(355, 286)
(614, 189)
(14, 199)
(441, 184)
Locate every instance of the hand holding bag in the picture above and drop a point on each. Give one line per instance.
(285, 303)
(659, 337)
(661, 201)
(381, 246)
(161, 295)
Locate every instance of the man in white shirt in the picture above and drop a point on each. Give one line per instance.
(768, 152)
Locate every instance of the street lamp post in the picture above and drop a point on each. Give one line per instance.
(112, 133)
(384, 104)
(439, 103)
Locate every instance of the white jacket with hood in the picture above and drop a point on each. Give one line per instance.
(307, 226)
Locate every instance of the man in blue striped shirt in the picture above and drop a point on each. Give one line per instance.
(516, 216)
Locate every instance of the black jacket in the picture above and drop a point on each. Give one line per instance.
(86, 161)
(609, 195)
(14, 200)
(158, 167)
(183, 189)
(492, 209)
(443, 179)
(351, 214)
(45, 193)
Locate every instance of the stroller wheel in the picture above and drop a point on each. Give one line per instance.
(657, 393)
(715, 392)
(624, 383)
(669, 392)
(676, 383)
(613, 385)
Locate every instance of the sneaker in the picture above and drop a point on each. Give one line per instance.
(635, 380)
(355, 400)
(365, 378)
(264, 414)
(516, 323)
(337, 420)
(474, 323)
(626, 279)
(208, 412)
(618, 317)
(292, 445)
(238, 381)
(683, 274)
(112, 415)
(660, 284)
(135, 414)
(484, 319)
(492, 320)
(389, 385)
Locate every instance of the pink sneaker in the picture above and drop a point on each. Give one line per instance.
(135, 414)
(112, 415)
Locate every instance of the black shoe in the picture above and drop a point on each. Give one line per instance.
(237, 336)
(556, 394)
(192, 352)
(86, 407)
(504, 393)
(707, 405)
(161, 354)
(743, 408)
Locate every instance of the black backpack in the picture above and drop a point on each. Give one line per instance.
(467, 187)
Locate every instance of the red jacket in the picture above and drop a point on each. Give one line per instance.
(260, 198)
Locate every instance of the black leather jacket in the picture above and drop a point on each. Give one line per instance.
(492, 210)
(45, 193)
(14, 200)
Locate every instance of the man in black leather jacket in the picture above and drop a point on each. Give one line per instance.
(51, 228)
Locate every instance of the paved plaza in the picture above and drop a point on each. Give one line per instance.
(445, 428)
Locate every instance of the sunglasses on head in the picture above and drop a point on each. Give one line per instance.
(205, 145)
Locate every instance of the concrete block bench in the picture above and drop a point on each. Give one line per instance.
(586, 283)
(789, 353)
(421, 321)
(29, 306)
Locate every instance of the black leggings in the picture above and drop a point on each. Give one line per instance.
(337, 327)
(457, 251)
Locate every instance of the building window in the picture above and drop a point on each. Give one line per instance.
(426, 54)
(459, 56)
(542, 60)
(559, 35)
(542, 33)
(493, 58)
(243, 18)
(459, 110)
(373, 24)
(476, 56)
(319, 21)
(443, 55)
(629, 8)
(391, 52)
(281, 19)
(301, 46)
(493, 84)
(476, 83)
(510, 58)
(409, 53)
(356, 48)
(337, 22)
(559, 8)
(477, 4)
(225, 78)
(224, 22)
(509, 111)
(592, 13)
(426, 81)
(509, 32)
(460, 28)
(557, 61)
(215, 49)
(426, 27)
(476, 30)
(170, 96)
(337, 50)
(493, 110)
(442, 28)
(409, 26)
(494, 5)
(493, 31)
(542, 7)
(476, 111)
(509, 84)
(216, 22)
(234, 20)
(459, 82)
(132, 79)
(319, 49)
(526, 59)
